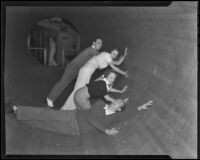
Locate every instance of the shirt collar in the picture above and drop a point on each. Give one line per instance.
(107, 111)
(108, 85)
(93, 47)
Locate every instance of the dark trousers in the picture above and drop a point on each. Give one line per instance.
(64, 122)
(71, 72)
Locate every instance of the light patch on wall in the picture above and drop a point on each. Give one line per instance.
(160, 76)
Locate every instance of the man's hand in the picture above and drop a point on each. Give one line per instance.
(126, 53)
(112, 131)
(144, 106)
(126, 100)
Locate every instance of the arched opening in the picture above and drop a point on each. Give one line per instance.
(53, 41)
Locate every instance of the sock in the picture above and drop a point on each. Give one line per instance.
(14, 108)
(49, 103)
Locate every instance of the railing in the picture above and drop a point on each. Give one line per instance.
(44, 53)
(68, 54)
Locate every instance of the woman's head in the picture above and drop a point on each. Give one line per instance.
(110, 75)
(97, 43)
(52, 38)
(114, 53)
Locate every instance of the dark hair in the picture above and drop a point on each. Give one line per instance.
(122, 107)
(115, 49)
(97, 39)
(108, 71)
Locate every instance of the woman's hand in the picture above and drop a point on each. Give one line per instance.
(126, 74)
(124, 89)
(112, 131)
(126, 53)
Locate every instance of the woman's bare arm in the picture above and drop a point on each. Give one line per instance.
(121, 59)
(116, 69)
(108, 98)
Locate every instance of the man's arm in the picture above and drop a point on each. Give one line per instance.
(94, 121)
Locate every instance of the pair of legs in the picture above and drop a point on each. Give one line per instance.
(52, 53)
(84, 77)
(70, 73)
(64, 122)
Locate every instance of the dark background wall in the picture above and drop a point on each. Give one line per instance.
(162, 60)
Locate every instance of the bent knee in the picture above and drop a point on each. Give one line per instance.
(87, 107)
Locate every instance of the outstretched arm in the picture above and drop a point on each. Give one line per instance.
(118, 91)
(109, 99)
(144, 106)
(97, 124)
(116, 69)
(121, 59)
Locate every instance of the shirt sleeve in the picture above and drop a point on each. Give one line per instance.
(95, 121)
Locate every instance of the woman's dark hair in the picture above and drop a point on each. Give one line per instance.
(115, 49)
(108, 71)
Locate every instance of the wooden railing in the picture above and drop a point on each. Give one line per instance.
(68, 54)
(44, 53)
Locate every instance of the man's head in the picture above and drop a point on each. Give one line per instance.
(118, 105)
(97, 44)
(114, 53)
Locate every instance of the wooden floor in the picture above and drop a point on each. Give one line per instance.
(163, 129)
(137, 137)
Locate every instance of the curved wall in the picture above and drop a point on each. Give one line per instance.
(162, 60)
